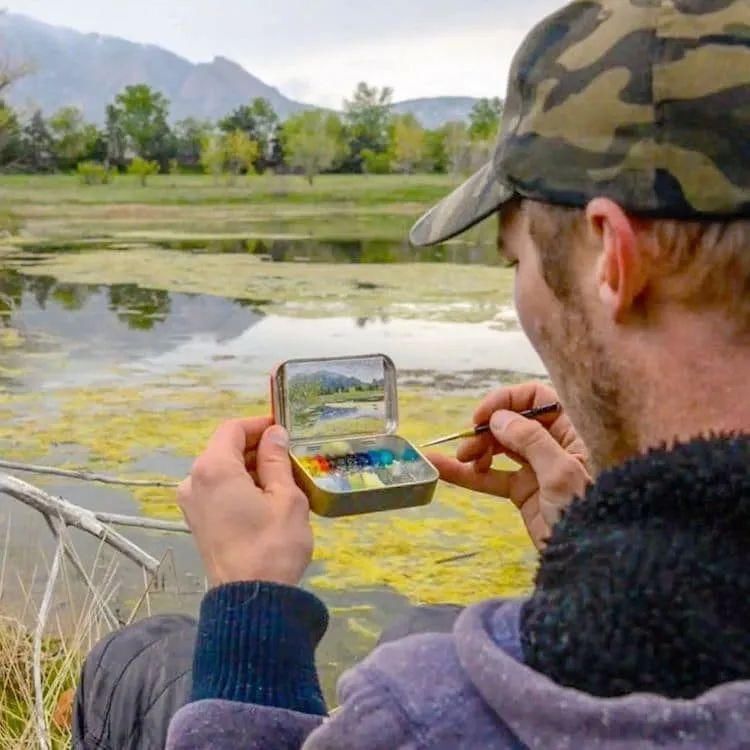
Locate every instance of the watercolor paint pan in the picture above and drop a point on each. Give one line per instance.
(342, 418)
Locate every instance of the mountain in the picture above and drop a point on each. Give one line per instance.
(333, 382)
(89, 70)
(434, 112)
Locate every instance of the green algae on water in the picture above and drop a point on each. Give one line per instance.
(418, 291)
(117, 427)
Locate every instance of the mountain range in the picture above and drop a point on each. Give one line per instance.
(89, 70)
(334, 382)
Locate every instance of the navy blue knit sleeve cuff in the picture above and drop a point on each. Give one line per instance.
(256, 644)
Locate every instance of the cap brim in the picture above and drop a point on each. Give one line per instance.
(479, 197)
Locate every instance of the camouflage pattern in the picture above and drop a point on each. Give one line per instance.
(646, 102)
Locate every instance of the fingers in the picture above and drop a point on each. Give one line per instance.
(484, 463)
(474, 448)
(235, 438)
(491, 482)
(273, 463)
(557, 471)
(515, 398)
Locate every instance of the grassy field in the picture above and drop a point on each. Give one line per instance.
(230, 231)
(58, 208)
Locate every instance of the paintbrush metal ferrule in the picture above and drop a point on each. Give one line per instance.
(480, 429)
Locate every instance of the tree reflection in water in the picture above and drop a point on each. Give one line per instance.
(140, 309)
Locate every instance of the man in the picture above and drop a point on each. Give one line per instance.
(622, 180)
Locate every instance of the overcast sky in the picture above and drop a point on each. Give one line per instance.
(317, 50)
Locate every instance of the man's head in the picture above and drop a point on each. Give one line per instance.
(622, 176)
(607, 298)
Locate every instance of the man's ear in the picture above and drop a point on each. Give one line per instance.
(621, 270)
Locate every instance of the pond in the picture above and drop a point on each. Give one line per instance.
(123, 359)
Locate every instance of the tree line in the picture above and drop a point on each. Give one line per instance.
(137, 137)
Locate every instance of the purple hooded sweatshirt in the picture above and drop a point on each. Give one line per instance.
(469, 690)
(658, 545)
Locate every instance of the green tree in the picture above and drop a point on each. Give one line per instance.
(266, 123)
(313, 141)
(142, 114)
(115, 137)
(457, 147)
(189, 136)
(367, 116)
(241, 154)
(213, 155)
(38, 147)
(435, 154)
(72, 137)
(143, 169)
(94, 173)
(277, 157)
(242, 118)
(485, 119)
(376, 163)
(408, 143)
(97, 148)
(231, 154)
(259, 121)
(10, 130)
(10, 135)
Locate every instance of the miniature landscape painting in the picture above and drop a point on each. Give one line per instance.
(337, 398)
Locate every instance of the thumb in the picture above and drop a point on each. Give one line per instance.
(530, 440)
(274, 464)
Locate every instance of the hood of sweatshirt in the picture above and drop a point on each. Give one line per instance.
(542, 714)
(641, 607)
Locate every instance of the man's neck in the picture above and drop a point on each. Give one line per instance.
(698, 383)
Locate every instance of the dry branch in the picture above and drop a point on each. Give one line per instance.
(41, 626)
(86, 476)
(75, 560)
(77, 517)
(143, 523)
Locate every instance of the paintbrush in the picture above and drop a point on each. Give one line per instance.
(480, 429)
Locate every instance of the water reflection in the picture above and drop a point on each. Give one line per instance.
(297, 250)
(23, 298)
(97, 333)
(139, 308)
(87, 330)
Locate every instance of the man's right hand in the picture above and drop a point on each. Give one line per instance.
(552, 457)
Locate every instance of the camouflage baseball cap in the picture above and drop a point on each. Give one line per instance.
(646, 102)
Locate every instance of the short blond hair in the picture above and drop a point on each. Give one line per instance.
(704, 264)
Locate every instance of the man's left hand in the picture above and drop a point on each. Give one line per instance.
(250, 520)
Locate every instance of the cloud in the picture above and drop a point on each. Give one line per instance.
(472, 63)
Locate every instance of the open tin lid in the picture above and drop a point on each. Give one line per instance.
(341, 397)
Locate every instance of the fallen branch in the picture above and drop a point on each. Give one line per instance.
(86, 476)
(143, 523)
(77, 517)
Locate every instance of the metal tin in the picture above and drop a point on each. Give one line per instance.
(348, 406)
